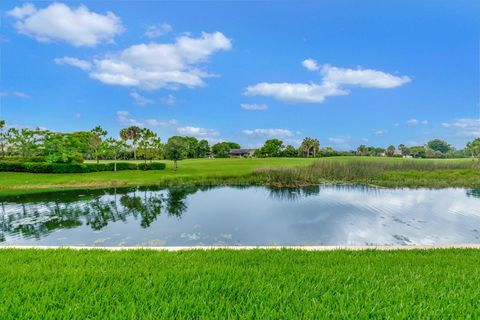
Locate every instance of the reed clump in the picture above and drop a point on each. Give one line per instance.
(360, 171)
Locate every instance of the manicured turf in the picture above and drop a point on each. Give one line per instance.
(230, 171)
(190, 171)
(259, 284)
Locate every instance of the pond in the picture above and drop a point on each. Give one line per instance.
(191, 216)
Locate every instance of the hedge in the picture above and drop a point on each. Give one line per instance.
(43, 167)
(23, 159)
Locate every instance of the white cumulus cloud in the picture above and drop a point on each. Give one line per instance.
(268, 133)
(334, 82)
(159, 65)
(367, 78)
(58, 22)
(295, 92)
(310, 64)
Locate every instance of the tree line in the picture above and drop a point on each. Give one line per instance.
(144, 144)
(310, 147)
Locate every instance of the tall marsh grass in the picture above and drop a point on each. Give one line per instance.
(352, 171)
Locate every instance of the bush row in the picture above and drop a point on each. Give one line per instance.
(23, 159)
(37, 167)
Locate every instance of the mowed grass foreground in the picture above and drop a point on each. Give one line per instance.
(389, 172)
(249, 284)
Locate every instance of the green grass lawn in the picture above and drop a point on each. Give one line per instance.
(190, 171)
(258, 284)
(230, 171)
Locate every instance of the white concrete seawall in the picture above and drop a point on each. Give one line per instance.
(305, 248)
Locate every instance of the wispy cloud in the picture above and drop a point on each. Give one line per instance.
(157, 30)
(16, 94)
(465, 126)
(169, 100)
(342, 142)
(198, 132)
(416, 122)
(74, 62)
(268, 133)
(141, 100)
(125, 119)
(379, 132)
(339, 140)
(254, 106)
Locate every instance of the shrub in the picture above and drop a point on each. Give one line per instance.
(8, 166)
(125, 166)
(44, 167)
(23, 159)
(152, 166)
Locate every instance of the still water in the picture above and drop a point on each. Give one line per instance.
(320, 215)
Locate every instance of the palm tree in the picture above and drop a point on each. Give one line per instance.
(133, 133)
(310, 145)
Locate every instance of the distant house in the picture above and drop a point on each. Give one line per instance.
(242, 153)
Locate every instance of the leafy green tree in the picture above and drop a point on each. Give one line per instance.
(113, 148)
(203, 148)
(222, 149)
(65, 147)
(25, 142)
(149, 146)
(95, 143)
(439, 145)
(473, 148)
(290, 152)
(271, 148)
(362, 150)
(390, 151)
(310, 146)
(192, 143)
(176, 149)
(133, 134)
(418, 151)
(374, 151)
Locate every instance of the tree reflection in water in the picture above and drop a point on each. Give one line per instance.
(474, 192)
(42, 215)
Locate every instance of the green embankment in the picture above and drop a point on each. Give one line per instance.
(428, 173)
(258, 284)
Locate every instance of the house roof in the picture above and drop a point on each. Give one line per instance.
(241, 151)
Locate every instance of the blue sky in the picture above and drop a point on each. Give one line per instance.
(345, 72)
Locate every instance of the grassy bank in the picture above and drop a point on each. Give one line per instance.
(261, 284)
(391, 172)
(192, 171)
